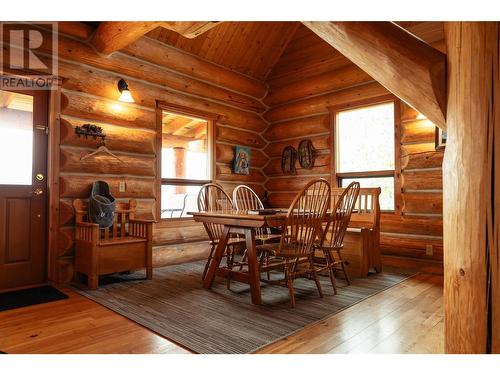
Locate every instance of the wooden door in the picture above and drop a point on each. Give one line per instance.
(23, 188)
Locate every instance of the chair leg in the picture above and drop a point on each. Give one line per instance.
(289, 282)
(344, 268)
(230, 260)
(267, 263)
(208, 262)
(149, 273)
(315, 275)
(243, 259)
(331, 271)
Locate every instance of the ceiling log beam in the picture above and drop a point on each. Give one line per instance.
(401, 62)
(112, 36)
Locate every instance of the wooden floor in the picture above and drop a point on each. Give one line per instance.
(407, 318)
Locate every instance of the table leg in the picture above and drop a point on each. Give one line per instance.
(217, 257)
(253, 266)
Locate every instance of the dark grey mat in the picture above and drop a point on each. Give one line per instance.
(31, 296)
(175, 305)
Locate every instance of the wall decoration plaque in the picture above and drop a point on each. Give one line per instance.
(241, 160)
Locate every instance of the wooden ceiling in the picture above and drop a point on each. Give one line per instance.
(259, 48)
(305, 48)
(251, 48)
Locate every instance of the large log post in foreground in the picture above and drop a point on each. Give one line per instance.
(471, 189)
(402, 63)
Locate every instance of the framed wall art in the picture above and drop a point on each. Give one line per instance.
(241, 160)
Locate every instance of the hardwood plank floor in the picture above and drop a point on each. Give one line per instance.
(407, 318)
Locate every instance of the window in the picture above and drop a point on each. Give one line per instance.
(185, 162)
(365, 149)
(16, 138)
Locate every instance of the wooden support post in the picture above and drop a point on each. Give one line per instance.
(405, 65)
(471, 189)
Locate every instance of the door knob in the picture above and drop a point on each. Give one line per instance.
(38, 191)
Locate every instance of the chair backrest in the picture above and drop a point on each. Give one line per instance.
(213, 198)
(244, 198)
(124, 211)
(340, 217)
(366, 212)
(304, 218)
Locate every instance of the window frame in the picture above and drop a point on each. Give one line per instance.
(336, 177)
(182, 111)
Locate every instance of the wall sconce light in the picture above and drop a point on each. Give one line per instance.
(125, 96)
(421, 117)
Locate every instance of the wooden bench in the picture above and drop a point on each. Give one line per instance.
(361, 250)
(125, 246)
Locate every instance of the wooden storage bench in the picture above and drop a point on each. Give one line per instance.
(125, 246)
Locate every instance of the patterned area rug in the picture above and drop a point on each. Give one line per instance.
(175, 305)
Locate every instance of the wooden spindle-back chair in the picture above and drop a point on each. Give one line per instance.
(361, 250)
(303, 223)
(212, 197)
(245, 199)
(333, 235)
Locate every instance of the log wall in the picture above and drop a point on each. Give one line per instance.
(309, 78)
(89, 95)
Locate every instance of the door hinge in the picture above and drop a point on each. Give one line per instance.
(43, 127)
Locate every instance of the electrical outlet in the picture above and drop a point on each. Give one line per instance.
(429, 250)
(121, 187)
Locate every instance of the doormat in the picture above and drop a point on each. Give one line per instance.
(29, 297)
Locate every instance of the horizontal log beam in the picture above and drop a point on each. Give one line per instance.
(172, 58)
(330, 81)
(113, 36)
(303, 127)
(404, 64)
(319, 104)
(103, 84)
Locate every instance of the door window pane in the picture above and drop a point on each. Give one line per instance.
(386, 199)
(16, 138)
(366, 139)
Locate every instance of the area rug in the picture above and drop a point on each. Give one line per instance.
(28, 297)
(176, 306)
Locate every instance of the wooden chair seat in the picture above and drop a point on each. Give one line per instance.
(231, 241)
(265, 239)
(286, 250)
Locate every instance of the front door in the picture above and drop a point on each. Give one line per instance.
(23, 188)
